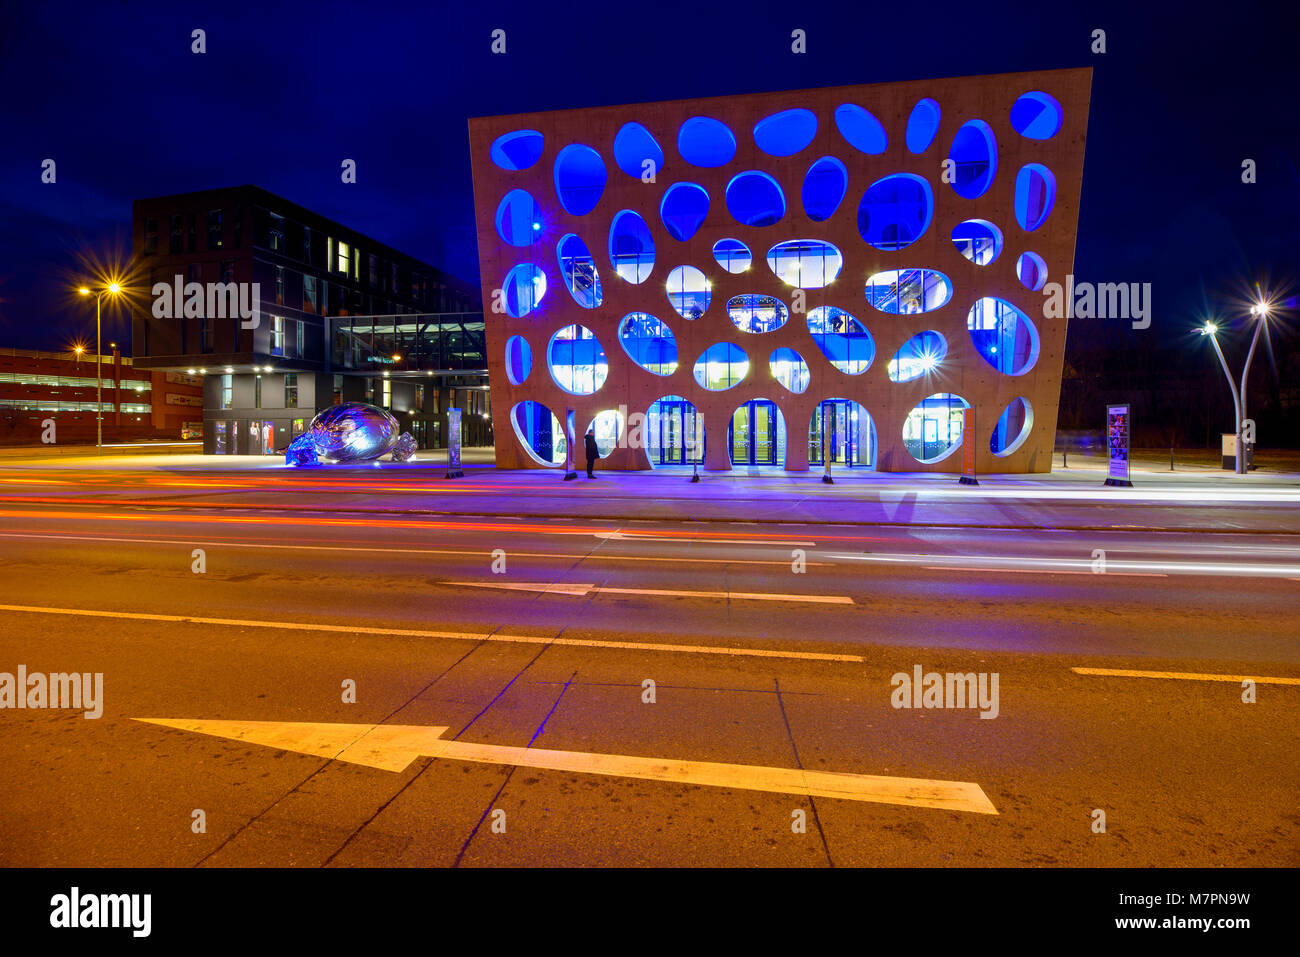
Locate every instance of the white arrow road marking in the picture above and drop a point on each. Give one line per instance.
(394, 747)
(633, 537)
(577, 590)
(454, 635)
(1184, 675)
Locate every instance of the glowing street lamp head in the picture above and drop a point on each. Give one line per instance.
(114, 288)
(1209, 329)
(84, 291)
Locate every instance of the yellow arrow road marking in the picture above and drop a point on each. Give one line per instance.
(1185, 676)
(394, 747)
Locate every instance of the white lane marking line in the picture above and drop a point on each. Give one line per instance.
(580, 590)
(1114, 566)
(1184, 675)
(635, 537)
(598, 556)
(453, 635)
(394, 747)
(1043, 571)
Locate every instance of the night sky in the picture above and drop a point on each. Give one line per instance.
(112, 92)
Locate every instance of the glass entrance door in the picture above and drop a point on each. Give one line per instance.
(845, 428)
(674, 433)
(753, 437)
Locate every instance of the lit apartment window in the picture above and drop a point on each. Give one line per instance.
(388, 393)
(277, 335)
(344, 264)
(214, 229)
(257, 392)
(279, 285)
(151, 235)
(302, 338)
(227, 391)
(276, 239)
(309, 294)
(291, 390)
(338, 389)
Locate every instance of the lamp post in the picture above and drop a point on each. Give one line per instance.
(1209, 329)
(1260, 312)
(112, 288)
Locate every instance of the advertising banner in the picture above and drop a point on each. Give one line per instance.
(1117, 436)
(453, 444)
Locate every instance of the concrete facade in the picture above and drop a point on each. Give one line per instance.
(963, 371)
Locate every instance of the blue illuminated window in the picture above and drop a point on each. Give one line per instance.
(842, 339)
(517, 150)
(861, 129)
(683, 209)
(785, 133)
(689, 292)
(1036, 115)
(703, 141)
(721, 367)
(577, 361)
(1003, 335)
(975, 159)
(519, 359)
(755, 199)
(789, 369)
(648, 342)
(895, 211)
(579, 271)
(1035, 196)
(918, 356)
(631, 247)
(824, 187)
(579, 178)
(732, 255)
(524, 288)
(519, 219)
(932, 430)
(756, 313)
(978, 240)
(805, 263)
(922, 125)
(633, 146)
(1012, 427)
(908, 291)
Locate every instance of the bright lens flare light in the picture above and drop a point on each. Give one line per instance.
(1209, 329)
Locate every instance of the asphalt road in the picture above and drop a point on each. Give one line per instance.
(771, 647)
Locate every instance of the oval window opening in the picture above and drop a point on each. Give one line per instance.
(648, 342)
(519, 218)
(689, 292)
(519, 359)
(704, 141)
(842, 339)
(518, 150)
(524, 288)
(978, 240)
(579, 179)
(932, 430)
(895, 211)
(732, 255)
(974, 155)
(824, 187)
(1035, 196)
(683, 209)
(789, 369)
(1012, 428)
(608, 426)
(918, 356)
(861, 129)
(755, 199)
(631, 247)
(907, 292)
(539, 432)
(577, 361)
(634, 146)
(923, 125)
(1032, 271)
(785, 133)
(1003, 335)
(756, 313)
(1037, 115)
(805, 263)
(721, 367)
(579, 271)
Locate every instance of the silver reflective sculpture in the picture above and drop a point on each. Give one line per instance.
(351, 432)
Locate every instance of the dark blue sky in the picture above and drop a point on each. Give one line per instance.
(112, 92)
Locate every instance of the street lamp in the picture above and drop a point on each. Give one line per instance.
(1210, 329)
(1260, 312)
(111, 289)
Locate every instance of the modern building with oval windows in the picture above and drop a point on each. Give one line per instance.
(723, 280)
